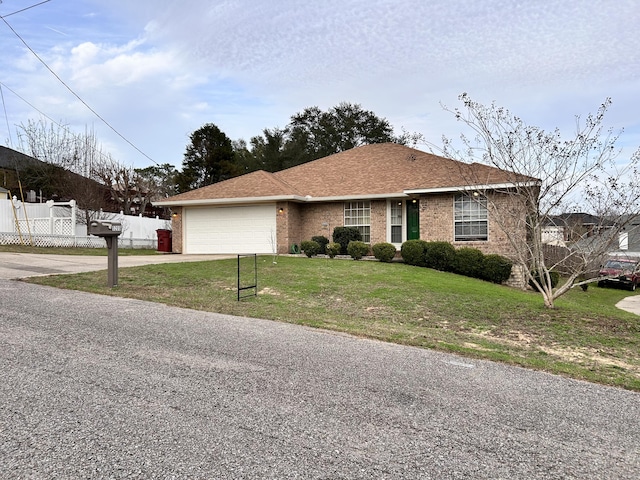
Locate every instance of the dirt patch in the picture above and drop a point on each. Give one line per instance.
(582, 356)
(269, 291)
(589, 356)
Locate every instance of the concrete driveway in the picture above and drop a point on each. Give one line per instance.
(21, 265)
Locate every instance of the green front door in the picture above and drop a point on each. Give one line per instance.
(413, 220)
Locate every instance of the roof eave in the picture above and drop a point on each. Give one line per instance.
(276, 198)
(342, 198)
(228, 201)
(465, 188)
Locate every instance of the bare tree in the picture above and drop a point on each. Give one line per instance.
(121, 181)
(49, 143)
(575, 174)
(67, 164)
(155, 183)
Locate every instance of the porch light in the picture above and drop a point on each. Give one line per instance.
(281, 211)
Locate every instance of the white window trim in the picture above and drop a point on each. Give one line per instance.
(344, 216)
(404, 222)
(454, 221)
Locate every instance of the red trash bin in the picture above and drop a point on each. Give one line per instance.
(164, 240)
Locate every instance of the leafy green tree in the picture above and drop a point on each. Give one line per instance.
(269, 150)
(314, 133)
(208, 159)
(155, 183)
(244, 157)
(158, 180)
(341, 128)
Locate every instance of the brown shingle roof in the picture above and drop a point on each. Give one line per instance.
(385, 168)
(377, 169)
(254, 184)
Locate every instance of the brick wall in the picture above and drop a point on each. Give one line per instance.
(176, 230)
(437, 215)
(321, 219)
(378, 221)
(288, 225)
(436, 218)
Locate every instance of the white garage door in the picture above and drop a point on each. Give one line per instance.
(249, 229)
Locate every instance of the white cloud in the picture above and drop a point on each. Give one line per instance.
(157, 70)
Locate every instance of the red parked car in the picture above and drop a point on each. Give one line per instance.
(620, 271)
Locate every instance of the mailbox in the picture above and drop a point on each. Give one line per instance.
(104, 229)
(109, 231)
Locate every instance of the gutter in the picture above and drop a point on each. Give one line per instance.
(272, 199)
(468, 188)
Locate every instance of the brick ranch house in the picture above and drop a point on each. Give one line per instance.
(390, 192)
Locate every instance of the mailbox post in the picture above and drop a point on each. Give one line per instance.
(110, 232)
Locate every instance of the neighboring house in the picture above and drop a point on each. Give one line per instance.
(630, 234)
(41, 181)
(17, 171)
(583, 229)
(390, 192)
(566, 228)
(4, 193)
(11, 164)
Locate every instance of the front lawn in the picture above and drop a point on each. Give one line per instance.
(585, 337)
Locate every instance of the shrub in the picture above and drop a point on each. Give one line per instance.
(332, 249)
(496, 268)
(357, 249)
(555, 278)
(322, 241)
(412, 252)
(384, 252)
(344, 235)
(310, 248)
(439, 255)
(469, 262)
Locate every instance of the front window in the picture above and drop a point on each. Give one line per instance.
(471, 219)
(358, 214)
(395, 221)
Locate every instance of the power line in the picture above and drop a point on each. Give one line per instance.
(58, 124)
(30, 104)
(22, 10)
(6, 117)
(76, 95)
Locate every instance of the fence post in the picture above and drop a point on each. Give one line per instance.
(50, 204)
(74, 212)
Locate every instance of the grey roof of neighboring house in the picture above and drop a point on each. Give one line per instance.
(577, 218)
(11, 159)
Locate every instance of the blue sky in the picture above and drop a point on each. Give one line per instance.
(158, 70)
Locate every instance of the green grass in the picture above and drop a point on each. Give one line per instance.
(585, 337)
(75, 251)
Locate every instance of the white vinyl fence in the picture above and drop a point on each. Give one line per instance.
(61, 224)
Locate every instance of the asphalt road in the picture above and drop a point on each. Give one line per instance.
(99, 387)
